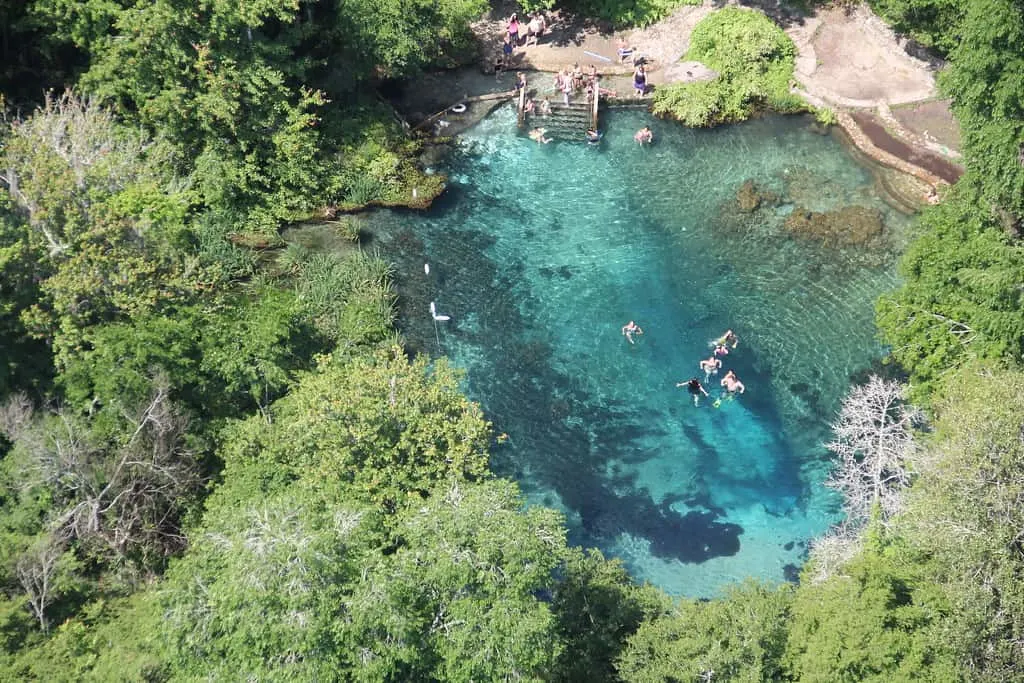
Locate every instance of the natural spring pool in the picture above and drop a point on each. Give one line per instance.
(540, 254)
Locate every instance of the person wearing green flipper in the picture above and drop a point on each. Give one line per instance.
(729, 338)
(695, 388)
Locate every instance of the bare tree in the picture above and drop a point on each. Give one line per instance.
(833, 550)
(125, 496)
(874, 440)
(16, 415)
(36, 570)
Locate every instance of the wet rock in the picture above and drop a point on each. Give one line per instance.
(792, 573)
(848, 226)
(750, 197)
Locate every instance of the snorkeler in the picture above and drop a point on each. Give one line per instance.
(629, 329)
(732, 383)
(711, 366)
(695, 388)
(729, 338)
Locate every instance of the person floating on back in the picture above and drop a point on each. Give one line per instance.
(710, 366)
(630, 329)
(728, 339)
(538, 135)
(732, 383)
(695, 388)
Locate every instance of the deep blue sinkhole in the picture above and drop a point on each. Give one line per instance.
(541, 253)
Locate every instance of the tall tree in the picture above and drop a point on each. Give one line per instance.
(986, 82)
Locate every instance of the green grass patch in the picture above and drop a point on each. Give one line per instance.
(755, 61)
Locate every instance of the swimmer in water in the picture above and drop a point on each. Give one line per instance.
(729, 338)
(695, 388)
(644, 136)
(732, 383)
(710, 366)
(538, 135)
(629, 329)
(721, 350)
(593, 136)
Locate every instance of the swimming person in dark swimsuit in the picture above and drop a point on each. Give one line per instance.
(695, 388)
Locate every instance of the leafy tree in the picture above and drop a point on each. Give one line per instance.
(458, 599)
(110, 640)
(961, 297)
(965, 512)
(755, 62)
(23, 360)
(598, 606)
(261, 594)
(375, 427)
(986, 82)
(934, 23)
(739, 637)
(881, 619)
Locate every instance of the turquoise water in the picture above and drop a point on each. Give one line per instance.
(540, 254)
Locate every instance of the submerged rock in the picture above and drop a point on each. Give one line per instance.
(750, 197)
(848, 226)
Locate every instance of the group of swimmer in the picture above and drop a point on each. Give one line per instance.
(711, 365)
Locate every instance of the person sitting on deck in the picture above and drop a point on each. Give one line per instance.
(625, 50)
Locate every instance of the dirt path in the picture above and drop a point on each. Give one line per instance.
(848, 59)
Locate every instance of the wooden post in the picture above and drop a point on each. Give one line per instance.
(522, 107)
(597, 99)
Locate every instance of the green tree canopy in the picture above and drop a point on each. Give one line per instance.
(961, 297)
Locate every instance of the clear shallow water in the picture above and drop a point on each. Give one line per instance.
(541, 253)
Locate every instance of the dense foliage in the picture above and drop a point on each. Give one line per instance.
(933, 23)
(618, 13)
(754, 59)
(217, 462)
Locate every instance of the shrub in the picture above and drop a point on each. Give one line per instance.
(754, 59)
(623, 12)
